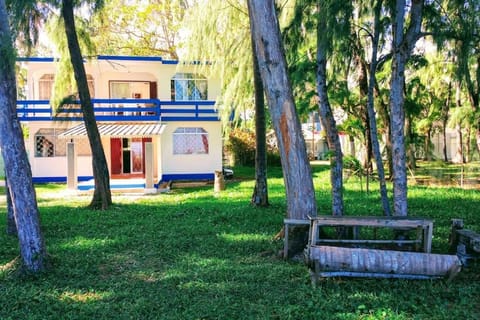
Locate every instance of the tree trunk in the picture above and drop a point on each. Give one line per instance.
(260, 192)
(102, 198)
(17, 166)
(11, 225)
(402, 46)
(459, 158)
(384, 114)
(445, 111)
(428, 144)
(269, 50)
(459, 154)
(328, 122)
(410, 144)
(371, 112)
(467, 145)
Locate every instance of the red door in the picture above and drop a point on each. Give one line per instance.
(116, 155)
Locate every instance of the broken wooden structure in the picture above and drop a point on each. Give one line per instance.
(464, 242)
(381, 247)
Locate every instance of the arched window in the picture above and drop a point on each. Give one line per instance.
(190, 141)
(189, 86)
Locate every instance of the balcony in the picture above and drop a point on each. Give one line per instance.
(117, 110)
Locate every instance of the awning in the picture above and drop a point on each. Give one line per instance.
(125, 130)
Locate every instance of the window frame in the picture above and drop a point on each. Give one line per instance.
(194, 87)
(50, 135)
(194, 141)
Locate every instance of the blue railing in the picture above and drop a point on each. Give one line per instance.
(121, 110)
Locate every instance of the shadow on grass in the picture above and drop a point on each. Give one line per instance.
(193, 255)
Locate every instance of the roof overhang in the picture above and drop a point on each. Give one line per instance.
(118, 130)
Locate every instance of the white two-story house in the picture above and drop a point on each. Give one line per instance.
(138, 102)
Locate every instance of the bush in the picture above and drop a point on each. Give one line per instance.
(241, 145)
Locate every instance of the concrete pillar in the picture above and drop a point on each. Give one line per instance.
(71, 166)
(149, 183)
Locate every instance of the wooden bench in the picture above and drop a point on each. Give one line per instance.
(363, 254)
(423, 229)
(464, 242)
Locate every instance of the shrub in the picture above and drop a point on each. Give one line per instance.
(241, 145)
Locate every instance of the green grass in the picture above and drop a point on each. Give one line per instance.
(192, 255)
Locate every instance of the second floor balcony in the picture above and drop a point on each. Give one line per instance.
(121, 110)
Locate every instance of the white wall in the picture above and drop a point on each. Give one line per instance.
(192, 163)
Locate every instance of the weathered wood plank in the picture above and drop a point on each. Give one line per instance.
(470, 238)
(423, 227)
(340, 260)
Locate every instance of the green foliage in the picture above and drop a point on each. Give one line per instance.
(65, 85)
(148, 28)
(241, 144)
(190, 254)
(352, 163)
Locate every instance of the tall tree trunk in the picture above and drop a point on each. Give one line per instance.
(384, 114)
(468, 132)
(260, 192)
(428, 144)
(410, 144)
(270, 53)
(459, 154)
(371, 111)
(445, 111)
(17, 166)
(459, 151)
(11, 225)
(328, 122)
(102, 198)
(403, 44)
(364, 115)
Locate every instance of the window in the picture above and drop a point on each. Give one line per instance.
(189, 86)
(190, 141)
(45, 86)
(47, 143)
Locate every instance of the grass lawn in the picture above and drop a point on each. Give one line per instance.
(191, 255)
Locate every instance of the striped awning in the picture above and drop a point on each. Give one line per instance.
(126, 130)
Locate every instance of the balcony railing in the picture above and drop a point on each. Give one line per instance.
(121, 110)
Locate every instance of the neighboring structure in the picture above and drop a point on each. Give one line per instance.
(151, 115)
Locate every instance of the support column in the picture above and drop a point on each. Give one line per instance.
(149, 183)
(71, 166)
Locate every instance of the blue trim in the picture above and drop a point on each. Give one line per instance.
(188, 176)
(36, 59)
(210, 119)
(42, 180)
(114, 186)
(170, 61)
(103, 57)
(130, 58)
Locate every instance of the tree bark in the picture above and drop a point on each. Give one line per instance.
(403, 44)
(445, 111)
(371, 111)
(17, 166)
(102, 198)
(260, 192)
(11, 225)
(270, 53)
(328, 122)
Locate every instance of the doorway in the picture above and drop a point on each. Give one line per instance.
(127, 156)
